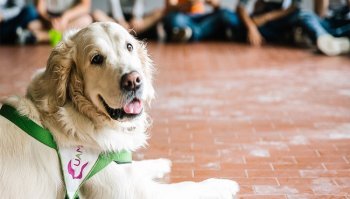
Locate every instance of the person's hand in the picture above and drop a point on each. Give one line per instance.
(56, 24)
(60, 23)
(254, 37)
(136, 24)
(260, 20)
(124, 24)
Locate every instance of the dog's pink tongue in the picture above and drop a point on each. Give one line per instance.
(134, 107)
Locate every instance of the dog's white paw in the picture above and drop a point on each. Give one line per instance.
(218, 189)
(160, 167)
(156, 168)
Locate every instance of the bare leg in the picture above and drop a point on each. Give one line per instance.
(79, 22)
(149, 21)
(99, 15)
(37, 28)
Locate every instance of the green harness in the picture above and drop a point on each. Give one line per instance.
(45, 137)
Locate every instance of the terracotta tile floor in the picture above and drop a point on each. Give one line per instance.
(275, 119)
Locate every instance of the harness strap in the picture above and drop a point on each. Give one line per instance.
(45, 137)
(123, 157)
(30, 127)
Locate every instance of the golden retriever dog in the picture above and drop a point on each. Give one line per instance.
(93, 93)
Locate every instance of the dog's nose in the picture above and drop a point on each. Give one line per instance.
(131, 81)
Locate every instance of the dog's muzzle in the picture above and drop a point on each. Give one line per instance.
(131, 86)
(130, 110)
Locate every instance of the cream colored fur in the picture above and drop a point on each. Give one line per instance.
(63, 98)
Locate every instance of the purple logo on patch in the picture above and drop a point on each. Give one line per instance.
(75, 173)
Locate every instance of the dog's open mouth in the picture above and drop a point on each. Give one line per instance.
(129, 110)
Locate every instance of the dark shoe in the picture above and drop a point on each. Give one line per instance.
(181, 34)
(301, 39)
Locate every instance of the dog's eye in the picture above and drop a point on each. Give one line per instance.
(97, 59)
(129, 47)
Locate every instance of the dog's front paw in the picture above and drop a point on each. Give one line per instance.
(161, 167)
(156, 168)
(218, 189)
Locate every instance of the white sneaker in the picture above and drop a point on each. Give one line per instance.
(333, 46)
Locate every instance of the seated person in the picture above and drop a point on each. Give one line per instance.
(61, 16)
(14, 17)
(272, 20)
(187, 20)
(335, 15)
(130, 14)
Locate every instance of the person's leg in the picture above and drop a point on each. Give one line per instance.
(325, 23)
(344, 30)
(175, 20)
(8, 28)
(28, 14)
(325, 42)
(311, 24)
(204, 26)
(178, 26)
(215, 25)
(149, 21)
(278, 30)
(99, 15)
(337, 27)
(79, 22)
(232, 25)
(7, 32)
(151, 33)
(39, 31)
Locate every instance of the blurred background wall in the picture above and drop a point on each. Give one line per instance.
(153, 4)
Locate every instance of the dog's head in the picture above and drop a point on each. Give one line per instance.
(103, 70)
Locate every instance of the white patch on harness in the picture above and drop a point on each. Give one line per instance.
(77, 163)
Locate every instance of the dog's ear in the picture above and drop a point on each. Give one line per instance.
(59, 66)
(48, 88)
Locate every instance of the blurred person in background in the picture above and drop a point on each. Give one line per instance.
(57, 16)
(187, 20)
(335, 15)
(15, 16)
(131, 15)
(274, 20)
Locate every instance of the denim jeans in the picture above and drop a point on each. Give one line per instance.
(8, 28)
(203, 26)
(337, 27)
(277, 30)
